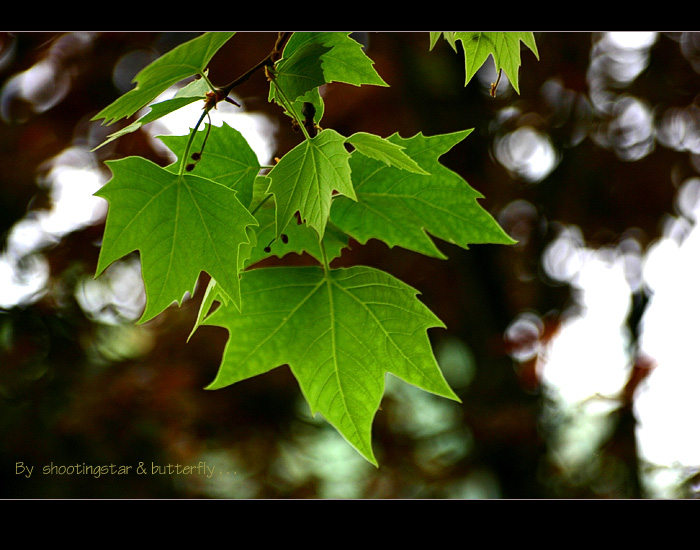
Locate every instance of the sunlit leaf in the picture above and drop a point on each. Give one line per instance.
(403, 208)
(299, 73)
(312, 59)
(504, 47)
(305, 179)
(340, 332)
(188, 59)
(345, 61)
(194, 91)
(181, 225)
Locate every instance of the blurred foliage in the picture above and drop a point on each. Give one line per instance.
(81, 385)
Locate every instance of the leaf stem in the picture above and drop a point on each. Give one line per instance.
(183, 160)
(289, 107)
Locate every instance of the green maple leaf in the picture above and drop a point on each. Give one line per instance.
(504, 47)
(185, 60)
(157, 111)
(194, 91)
(340, 332)
(403, 208)
(312, 59)
(181, 225)
(345, 60)
(305, 179)
(300, 73)
(263, 244)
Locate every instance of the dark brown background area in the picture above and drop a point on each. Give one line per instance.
(63, 402)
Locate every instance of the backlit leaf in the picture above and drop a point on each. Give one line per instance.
(402, 208)
(345, 61)
(181, 225)
(300, 73)
(185, 60)
(504, 47)
(311, 59)
(194, 91)
(340, 332)
(305, 179)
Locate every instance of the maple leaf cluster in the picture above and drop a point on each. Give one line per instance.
(339, 330)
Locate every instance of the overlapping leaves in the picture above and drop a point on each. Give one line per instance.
(339, 330)
(305, 178)
(504, 47)
(312, 59)
(299, 238)
(195, 91)
(190, 58)
(344, 61)
(229, 159)
(402, 207)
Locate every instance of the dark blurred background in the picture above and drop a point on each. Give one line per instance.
(563, 348)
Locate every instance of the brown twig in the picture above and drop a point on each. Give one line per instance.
(221, 94)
